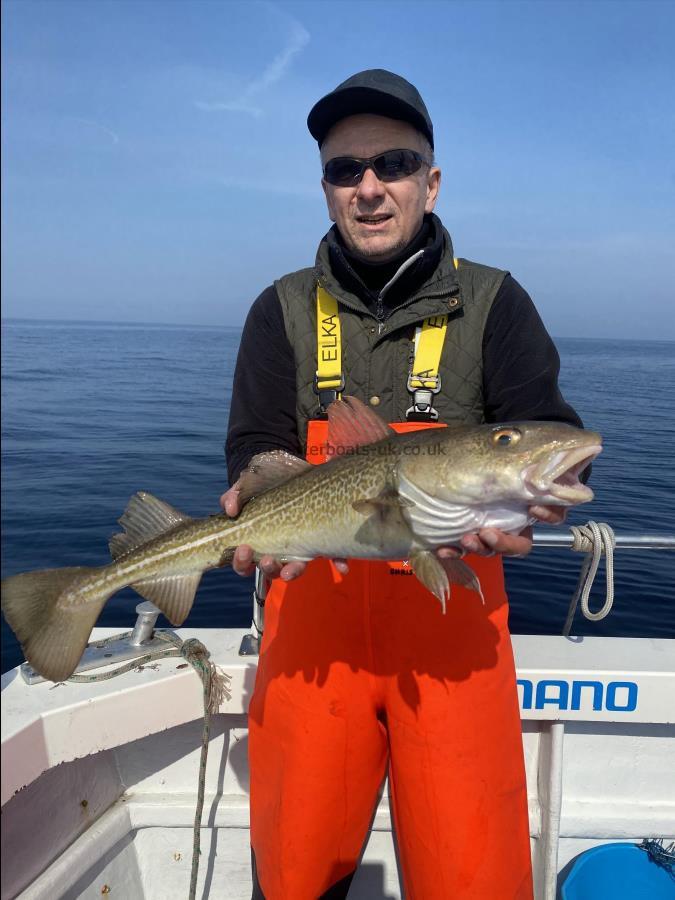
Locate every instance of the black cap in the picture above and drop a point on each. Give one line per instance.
(373, 91)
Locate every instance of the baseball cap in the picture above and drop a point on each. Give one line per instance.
(371, 91)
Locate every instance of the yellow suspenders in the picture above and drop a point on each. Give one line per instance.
(424, 379)
(329, 380)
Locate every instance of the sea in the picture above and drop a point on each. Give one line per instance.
(93, 412)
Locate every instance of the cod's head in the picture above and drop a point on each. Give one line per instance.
(531, 462)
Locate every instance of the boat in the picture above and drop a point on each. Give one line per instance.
(100, 778)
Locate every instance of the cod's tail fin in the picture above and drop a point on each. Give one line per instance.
(53, 636)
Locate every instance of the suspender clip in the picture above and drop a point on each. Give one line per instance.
(328, 394)
(423, 390)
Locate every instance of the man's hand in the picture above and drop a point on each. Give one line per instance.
(489, 541)
(243, 563)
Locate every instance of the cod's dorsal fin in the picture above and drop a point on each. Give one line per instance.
(174, 594)
(351, 424)
(267, 470)
(145, 518)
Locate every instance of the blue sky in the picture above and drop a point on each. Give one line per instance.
(157, 167)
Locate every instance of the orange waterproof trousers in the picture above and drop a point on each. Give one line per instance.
(362, 675)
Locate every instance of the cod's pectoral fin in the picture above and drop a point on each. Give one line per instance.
(384, 502)
(267, 470)
(352, 424)
(174, 594)
(438, 578)
(384, 523)
(145, 518)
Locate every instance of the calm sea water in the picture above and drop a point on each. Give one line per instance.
(92, 413)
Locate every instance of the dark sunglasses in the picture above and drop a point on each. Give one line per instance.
(392, 165)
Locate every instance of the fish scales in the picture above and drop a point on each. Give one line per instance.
(314, 515)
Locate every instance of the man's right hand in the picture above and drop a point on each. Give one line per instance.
(243, 563)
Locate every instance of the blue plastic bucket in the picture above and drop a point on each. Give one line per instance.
(617, 872)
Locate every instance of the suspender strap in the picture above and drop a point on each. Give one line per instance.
(424, 379)
(329, 381)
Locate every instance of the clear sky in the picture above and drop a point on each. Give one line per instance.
(157, 166)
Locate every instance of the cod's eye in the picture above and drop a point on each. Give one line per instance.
(505, 437)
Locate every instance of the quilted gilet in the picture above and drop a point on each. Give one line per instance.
(377, 357)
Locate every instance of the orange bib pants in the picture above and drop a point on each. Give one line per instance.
(361, 675)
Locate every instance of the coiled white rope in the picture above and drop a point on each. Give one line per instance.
(593, 539)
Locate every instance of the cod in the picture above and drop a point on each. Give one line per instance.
(380, 496)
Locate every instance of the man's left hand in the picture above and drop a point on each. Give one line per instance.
(489, 541)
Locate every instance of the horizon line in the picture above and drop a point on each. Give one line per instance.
(139, 324)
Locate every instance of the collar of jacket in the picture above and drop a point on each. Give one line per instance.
(425, 299)
(374, 282)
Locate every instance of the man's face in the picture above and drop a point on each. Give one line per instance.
(378, 219)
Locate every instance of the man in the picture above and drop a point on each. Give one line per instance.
(360, 673)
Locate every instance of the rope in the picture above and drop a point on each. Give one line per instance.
(174, 650)
(593, 539)
(661, 853)
(216, 689)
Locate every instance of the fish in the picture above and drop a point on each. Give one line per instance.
(381, 495)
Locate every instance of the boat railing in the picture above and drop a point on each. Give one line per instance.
(627, 541)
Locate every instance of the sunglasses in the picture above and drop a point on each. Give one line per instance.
(392, 165)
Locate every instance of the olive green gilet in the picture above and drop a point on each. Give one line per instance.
(376, 361)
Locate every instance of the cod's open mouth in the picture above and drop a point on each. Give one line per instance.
(557, 478)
